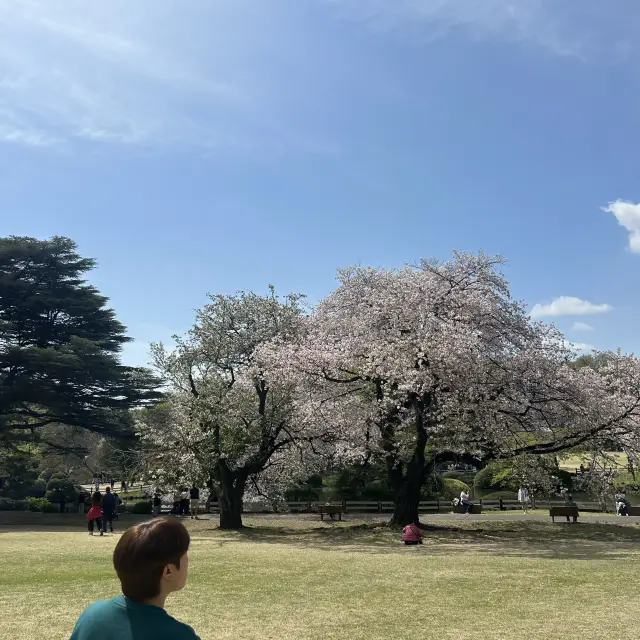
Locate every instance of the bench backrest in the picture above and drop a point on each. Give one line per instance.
(329, 508)
(563, 511)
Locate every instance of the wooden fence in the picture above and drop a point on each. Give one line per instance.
(429, 506)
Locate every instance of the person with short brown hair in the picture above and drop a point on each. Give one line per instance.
(151, 561)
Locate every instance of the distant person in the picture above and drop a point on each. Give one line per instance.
(622, 504)
(108, 510)
(524, 498)
(82, 497)
(151, 561)
(94, 517)
(184, 502)
(118, 503)
(123, 487)
(411, 534)
(157, 504)
(464, 501)
(194, 501)
(176, 503)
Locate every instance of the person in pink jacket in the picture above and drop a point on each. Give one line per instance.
(95, 513)
(411, 534)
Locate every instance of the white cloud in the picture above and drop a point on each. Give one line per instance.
(568, 306)
(148, 73)
(29, 138)
(628, 216)
(581, 326)
(582, 29)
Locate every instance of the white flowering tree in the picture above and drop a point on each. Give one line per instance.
(225, 422)
(434, 360)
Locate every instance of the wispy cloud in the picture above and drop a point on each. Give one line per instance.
(581, 326)
(628, 216)
(568, 306)
(27, 137)
(581, 29)
(143, 73)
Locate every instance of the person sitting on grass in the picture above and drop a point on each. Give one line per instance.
(151, 561)
(411, 534)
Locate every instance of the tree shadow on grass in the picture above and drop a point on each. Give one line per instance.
(503, 538)
(14, 521)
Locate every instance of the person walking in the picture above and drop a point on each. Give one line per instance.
(157, 504)
(151, 561)
(108, 510)
(194, 501)
(184, 502)
(95, 513)
(524, 499)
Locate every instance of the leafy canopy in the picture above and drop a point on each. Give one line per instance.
(60, 345)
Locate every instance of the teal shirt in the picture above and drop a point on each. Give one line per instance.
(124, 619)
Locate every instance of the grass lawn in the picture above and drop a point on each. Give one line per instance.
(573, 462)
(298, 578)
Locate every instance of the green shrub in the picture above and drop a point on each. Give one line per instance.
(496, 476)
(142, 508)
(37, 489)
(451, 488)
(315, 481)
(565, 478)
(50, 508)
(504, 495)
(301, 494)
(38, 504)
(61, 489)
(625, 480)
(8, 504)
(457, 475)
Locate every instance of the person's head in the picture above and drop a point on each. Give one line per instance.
(108, 489)
(151, 559)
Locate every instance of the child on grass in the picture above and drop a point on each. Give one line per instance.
(411, 534)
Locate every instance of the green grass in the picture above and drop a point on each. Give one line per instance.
(298, 578)
(573, 462)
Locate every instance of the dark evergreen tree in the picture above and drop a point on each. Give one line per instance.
(60, 346)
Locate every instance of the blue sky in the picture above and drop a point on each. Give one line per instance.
(216, 145)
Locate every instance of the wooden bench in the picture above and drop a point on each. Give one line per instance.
(331, 510)
(633, 511)
(474, 508)
(567, 512)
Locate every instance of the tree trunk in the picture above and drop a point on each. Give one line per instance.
(407, 486)
(231, 496)
(406, 501)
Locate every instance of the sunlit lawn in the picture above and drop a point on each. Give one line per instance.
(306, 580)
(614, 458)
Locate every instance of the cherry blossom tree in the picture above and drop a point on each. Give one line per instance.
(225, 423)
(433, 360)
